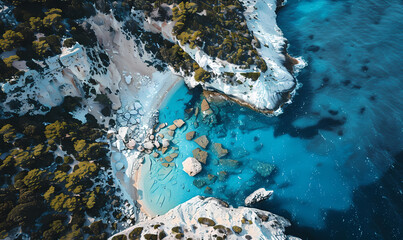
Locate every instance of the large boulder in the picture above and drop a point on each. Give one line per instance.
(230, 163)
(219, 150)
(200, 155)
(191, 166)
(202, 141)
(257, 196)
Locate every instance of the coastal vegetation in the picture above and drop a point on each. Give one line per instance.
(53, 177)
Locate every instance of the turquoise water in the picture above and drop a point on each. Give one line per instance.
(337, 147)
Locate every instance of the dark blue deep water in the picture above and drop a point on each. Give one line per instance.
(337, 149)
(354, 77)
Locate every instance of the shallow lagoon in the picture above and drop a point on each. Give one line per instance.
(331, 147)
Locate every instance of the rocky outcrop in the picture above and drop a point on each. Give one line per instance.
(257, 196)
(202, 141)
(211, 218)
(191, 166)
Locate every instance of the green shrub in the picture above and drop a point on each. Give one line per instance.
(206, 221)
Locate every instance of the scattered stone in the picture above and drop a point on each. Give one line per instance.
(131, 144)
(133, 121)
(137, 105)
(222, 175)
(172, 127)
(212, 178)
(161, 135)
(195, 124)
(157, 144)
(165, 143)
(190, 135)
(197, 112)
(127, 115)
(168, 159)
(179, 123)
(208, 190)
(202, 141)
(173, 155)
(152, 137)
(148, 145)
(155, 154)
(230, 163)
(171, 133)
(200, 155)
(140, 148)
(133, 112)
(204, 105)
(165, 164)
(199, 183)
(257, 196)
(264, 169)
(164, 149)
(219, 150)
(191, 166)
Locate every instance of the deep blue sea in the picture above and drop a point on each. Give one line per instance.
(337, 149)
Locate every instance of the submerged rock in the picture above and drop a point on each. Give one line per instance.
(191, 166)
(222, 175)
(231, 163)
(257, 196)
(190, 135)
(199, 183)
(264, 169)
(202, 141)
(200, 155)
(219, 150)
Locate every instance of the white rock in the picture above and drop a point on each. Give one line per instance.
(133, 112)
(191, 166)
(123, 132)
(141, 112)
(157, 144)
(257, 196)
(165, 142)
(128, 79)
(131, 144)
(137, 105)
(138, 120)
(148, 145)
(120, 145)
(187, 214)
(127, 115)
